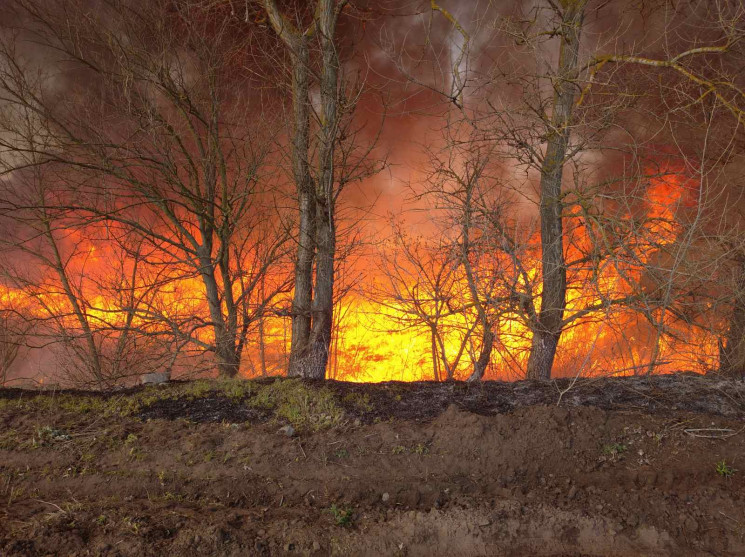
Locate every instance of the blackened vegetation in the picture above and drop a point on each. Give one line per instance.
(425, 400)
(208, 409)
(654, 394)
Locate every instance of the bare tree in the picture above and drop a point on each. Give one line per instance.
(297, 41)
(13, 331)
(548, 321)
(467, 201)
(422, 292)
(326, 156)
(163, 141)
(598, 254)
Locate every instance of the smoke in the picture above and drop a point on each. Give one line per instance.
(429, 85)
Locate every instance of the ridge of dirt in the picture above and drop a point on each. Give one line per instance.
(653, 394)
(425, 400)
(621, 467)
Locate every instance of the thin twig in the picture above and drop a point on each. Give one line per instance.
(52, 504)
(299, 444)
(713, 432)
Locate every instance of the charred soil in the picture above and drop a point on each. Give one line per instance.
(598, 467)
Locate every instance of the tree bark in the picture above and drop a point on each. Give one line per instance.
(547, 326)
(228, 360)
(323, 299)
(487, 345)
(303, 294)
(297, 44)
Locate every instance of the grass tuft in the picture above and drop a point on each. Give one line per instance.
(306, 408)
(725, 470)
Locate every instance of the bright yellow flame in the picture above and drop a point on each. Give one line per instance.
(372, 345)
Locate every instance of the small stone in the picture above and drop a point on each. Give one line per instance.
(155, 378)
(316, 546)
(385, 497)
(571, 494)
(287, 430)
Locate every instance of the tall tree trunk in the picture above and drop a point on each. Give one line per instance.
(548, 324)
(296, 42)
(732, 352)
(323, 299)
(303, 294)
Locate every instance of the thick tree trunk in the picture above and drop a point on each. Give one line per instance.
(542, 354)
(548, 324)
(303, 294)
(228, 361)
(732, 352)
(323, 298)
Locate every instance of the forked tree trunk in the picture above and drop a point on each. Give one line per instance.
(312, 307)
(228, 360)
(548, 324)
(487, 345)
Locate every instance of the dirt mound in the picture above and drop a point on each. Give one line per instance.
(207, 471)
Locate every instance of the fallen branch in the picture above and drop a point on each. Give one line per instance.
(713, 432)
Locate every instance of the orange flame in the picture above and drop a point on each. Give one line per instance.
(370, 344)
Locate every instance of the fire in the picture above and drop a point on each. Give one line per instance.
(611, 340)
(376, 341)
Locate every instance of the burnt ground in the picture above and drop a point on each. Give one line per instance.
(614, 466)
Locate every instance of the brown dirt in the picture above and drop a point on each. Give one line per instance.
(419, 469)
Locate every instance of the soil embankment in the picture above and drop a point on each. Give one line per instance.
(618, 467)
